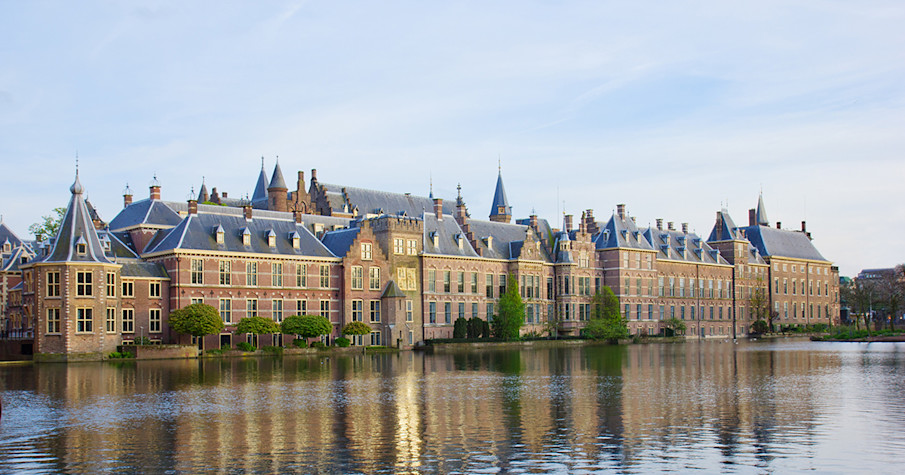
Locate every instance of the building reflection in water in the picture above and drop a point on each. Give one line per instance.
(694, 405)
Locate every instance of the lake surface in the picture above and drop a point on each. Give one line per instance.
(783, 406)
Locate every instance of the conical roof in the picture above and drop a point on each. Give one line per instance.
(277, 180)
(500, 204)
(77, 229)
(261, 186)
(762, 212)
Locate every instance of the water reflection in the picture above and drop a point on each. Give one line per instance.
(792, 405)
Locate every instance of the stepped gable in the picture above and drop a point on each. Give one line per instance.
(198, 232)
(374, 202)
(340, 241)
(77, 239)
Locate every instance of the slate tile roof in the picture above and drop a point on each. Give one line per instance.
(381, 202)
(782, 243)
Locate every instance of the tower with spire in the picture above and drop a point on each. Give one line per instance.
(277, 191)
(500, 211)
(260, 193)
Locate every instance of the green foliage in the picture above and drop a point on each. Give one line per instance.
(216, 351)
(606, 322)
(306, 326)
(197, 319)
(675, 326)
(510, 315)
(48, 226)
(118, 355)
(460, 328)
(318, 344)
(142, 340)
(342, 342)
(257, 325)
(356, 328)
(760, 326)
(275, 350)
(245, 346)
(300, 343)
(475, 328)
(485, 329)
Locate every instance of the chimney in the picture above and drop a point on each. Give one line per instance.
(438, 208)
(684, 228)
(215, 197)
(719, 226)
(155, 192)
(533, 221)
(804, 227)
(314, 175)
(660, 224)
(193, 206)
(127, 197)
(567, 223)
(247, 211)
(591, 225)
(582, 223)
(620, 210)
(752, 217)
(669, 225)
(778, 225)
(297, 215)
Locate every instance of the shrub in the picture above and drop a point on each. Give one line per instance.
(460, 328)
(118, 355)
(485, 329)
(342, 342)
(246, 346)
(300, 343)
(356, 328)
(759, 326)
(275, 350)
(215, 351)
(257, 325)
(318, 344)
(475, 327)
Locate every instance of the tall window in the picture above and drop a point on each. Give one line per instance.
(356, 310)
(357, 278)
(489, 311)
(374, 278)
(251, 273)
(462, 310)
(197, 271)
(83, 284)
(276, 274)
(84, 320)
(301, 307)
(325, 309)
(226, 310)
(432, 280)
(460, 280)
(488, 285)
(128, 320)
(111, 284)
(53, 320)
(474, 310)
(398, 246)
(412, 247)
(225, 269)
(53, 284)
(111, 320)
(446, 281)
(502, 285)
(409, 311)
(447, 312)
(375, 311)
(154, 320)
(277, 310)
(301, 275)
(474, 282)
(251, 308)
(154, 289)
(325, 276)
(366, 251)
(432, 312)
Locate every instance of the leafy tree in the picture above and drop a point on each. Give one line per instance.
(257, 325)
(197, 319)
(48, 226)
(606, 322)
(759, 303)
(306, 326)
(891, 288)
(356, 328)
(460, 328)
(511, 314)
(760, 326)
(551, 326)
(675, 326)
(475, 327)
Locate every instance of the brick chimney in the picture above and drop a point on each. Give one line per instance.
(590, 224)
(620, 210)
(193, 206)
(660, 224)
(719, 226)
(247, 211)
(778, 225)
(438, 208)
(567, 223)
(127, 196)
(155, 192)
(804, 227)
(684, 228)
(532, 220)
(669, 226)
(297, 215)
(752, 217)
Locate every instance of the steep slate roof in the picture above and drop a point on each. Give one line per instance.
(277, 181)
(153, 213)
(76, 228)
(381, 202)
(507, 239)
(562, 254)
(198, 232)
(678, 246)
(117, 245)
(621, 232)
(7, 235)
(499, 198)
(446, 231)
(11, 262)
(143, 269)
(724, 229)
(782, 243)
(261, 185)
(392, 290)
(339, 242)
(762, 211)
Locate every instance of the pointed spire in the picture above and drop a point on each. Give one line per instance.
(76, 188)
(431, 196)
(500, 211)
(76, 239)
(277, 181)
(762, 211)
(260, 192)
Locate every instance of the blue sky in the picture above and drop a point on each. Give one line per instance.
(674, 108)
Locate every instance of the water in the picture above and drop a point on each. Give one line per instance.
(755, 407)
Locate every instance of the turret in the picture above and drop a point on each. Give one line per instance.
(500, 211)
(277, 191)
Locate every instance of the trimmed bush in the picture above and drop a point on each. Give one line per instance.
(118, 355)
(318, 344)
(475, 327)
(460, 328)
(485, 330)
(274, 350)
(246, 346)
(342, 342)
(300, 343)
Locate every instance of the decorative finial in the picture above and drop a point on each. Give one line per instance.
(459, 189)
(262, 162)
(431, 178)
(499, 163)
(202, 179)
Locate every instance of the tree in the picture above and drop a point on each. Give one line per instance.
(306, 326)
(48, 226)
(511, 314)
(606, 322)
(891, 288)
(860, 295)
(356, 328)
(475, 327)
(257, 325)
(197, 319)
(759, 303)
(759, 326)
(675, 326)
(551, 326)
(460, 328)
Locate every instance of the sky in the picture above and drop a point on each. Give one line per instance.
(676, 109)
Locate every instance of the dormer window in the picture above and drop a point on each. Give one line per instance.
(6, 246)
(488, 241)
(220, 235)
(271, 239)
(460, 240)
(246, 237)
(81, 247)
(435, 238)
(319, 230)
(294, 237)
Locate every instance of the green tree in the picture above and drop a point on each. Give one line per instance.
(475, 327)
(760, 326)
(675, 326)
(606, 322)
(257, 325)
(460, 328)
(48, 226)
(511, 314)
(759, 303)
(356, 328)
(197, 319)
(306, 326)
